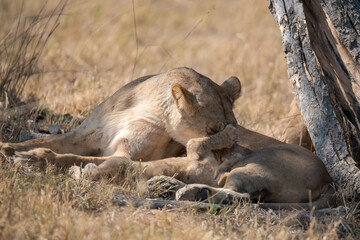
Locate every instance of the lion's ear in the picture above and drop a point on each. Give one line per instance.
(183, 99)
(232, 87)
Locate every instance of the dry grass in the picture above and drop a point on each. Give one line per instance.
(52, 205)
(94, 52)
(21, 49)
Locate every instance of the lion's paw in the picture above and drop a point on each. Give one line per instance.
(193, 192)
(229, 135)
(89, 170)
(6, 149)
(78, 173)
(37, 158)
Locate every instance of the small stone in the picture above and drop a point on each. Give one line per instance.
(163, 187)
(54, 129)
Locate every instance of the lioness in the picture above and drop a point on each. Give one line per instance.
(147, 119)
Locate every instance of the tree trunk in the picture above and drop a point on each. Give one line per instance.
(321, 40)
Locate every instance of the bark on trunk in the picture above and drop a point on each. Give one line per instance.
(321, 40)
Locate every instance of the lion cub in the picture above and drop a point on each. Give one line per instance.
(150, 118)
(263, 169)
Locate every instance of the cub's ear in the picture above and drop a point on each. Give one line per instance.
(183, 99)
(232, 87)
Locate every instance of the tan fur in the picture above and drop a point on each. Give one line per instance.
(147, 119)
(269, 171)
(141, 122)
(256, 168)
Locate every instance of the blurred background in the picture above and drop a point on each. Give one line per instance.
(101, 45)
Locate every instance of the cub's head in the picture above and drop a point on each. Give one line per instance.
(202, 107)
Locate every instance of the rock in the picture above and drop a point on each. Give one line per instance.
(54, 129)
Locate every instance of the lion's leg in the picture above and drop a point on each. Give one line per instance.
(9, 149)
(110, 165)
(182, 168)
(40, 157)
(73, 142)
(202, 192)
(93, 167)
